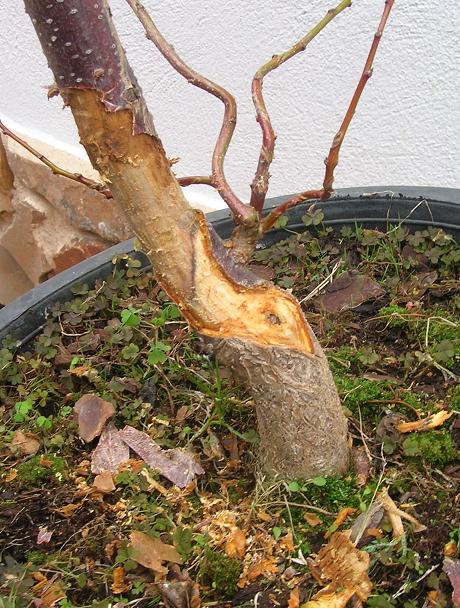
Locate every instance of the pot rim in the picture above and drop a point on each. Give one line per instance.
(373, 206)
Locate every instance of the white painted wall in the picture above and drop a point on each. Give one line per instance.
(406, 131)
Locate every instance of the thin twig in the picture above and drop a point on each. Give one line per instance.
(77, 177)
(259, 185)
(333, 156)
(243, 213)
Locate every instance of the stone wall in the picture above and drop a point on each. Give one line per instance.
(48, 222)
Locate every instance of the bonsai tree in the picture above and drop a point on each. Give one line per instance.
(252, 326)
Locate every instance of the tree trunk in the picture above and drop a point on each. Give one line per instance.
(255, 327)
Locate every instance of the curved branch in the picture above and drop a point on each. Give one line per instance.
(259, 185)
(77, 177)
(333, 156)
(243, 213)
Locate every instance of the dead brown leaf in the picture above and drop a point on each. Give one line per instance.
(68, 510)
(151, 552)
(425, 424)
(348, 291)
(338, 521)
(287, 542)
(263, 566)
(44, 535)
(312, 519)
(235, 545)
(110, 452)
(24, 443)
(294, 598)
(104, 483)
(92, 414)
(119, 584)
(49, 592)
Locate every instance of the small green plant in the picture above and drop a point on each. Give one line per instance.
(435, 447)
(221, 571)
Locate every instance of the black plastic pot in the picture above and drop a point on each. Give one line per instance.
(373, 207)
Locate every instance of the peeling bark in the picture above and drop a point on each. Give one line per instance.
(256, 328)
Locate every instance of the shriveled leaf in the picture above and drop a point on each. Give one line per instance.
(369, 520)
(425, 424)
(396, 516)
(178, 466)
(152, 552)
(348, 291)
(111, 451)
(263, 566)
(343, 569)
(119, 584)
(92, 414)
(44, 535)
(25, 443)
(418, 284)
(69, 510)
(452, 568)
(312, 519)
(361, 465)
(338, 521)
(104, 482)
(236, 543)
(294, 598)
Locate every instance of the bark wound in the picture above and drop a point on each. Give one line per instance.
(255, 327)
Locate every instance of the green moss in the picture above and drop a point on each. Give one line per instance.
(32, 472)
(395, 316)
(357, 392)
(434, 447)
(223, 572)
(334, 494)
(36, 557)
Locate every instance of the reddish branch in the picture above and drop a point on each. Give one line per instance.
(77, 177)
(259, 185)
(333, 156)
(243, 213)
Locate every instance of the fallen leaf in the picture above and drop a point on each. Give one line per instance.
(343, 568)
(180, 594)
(452, 568)
(294, 598)
(110, 452)
(287, 542)
(49, 592)
(312, 519)
(92, 414)
(369, 520)
(264, 516)
(26, 443)
(348, 291)
(178, 466)
(80, 370)
(418, 284)
(361, 465)
(263, 566)
(450, 549)
(425, 424)
(68, 510)
(235, 545)
(151, 552)
(44, 535)
(338, 521)
(11, 475)
(119, 585)
(104, 482)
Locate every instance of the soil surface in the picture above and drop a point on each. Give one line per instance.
(384, 306)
